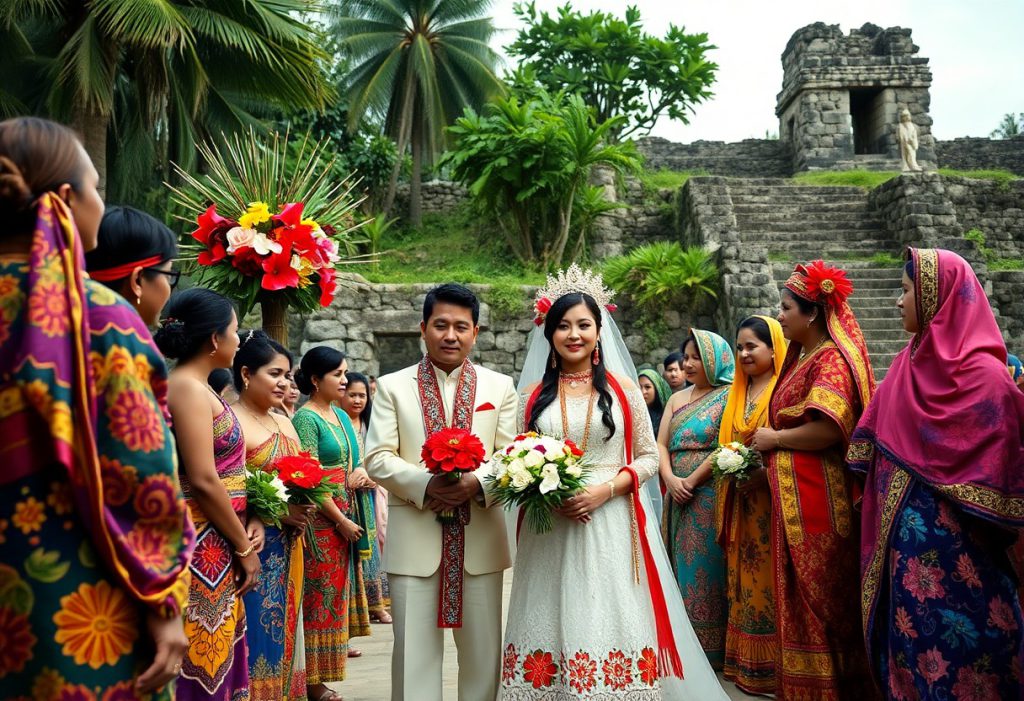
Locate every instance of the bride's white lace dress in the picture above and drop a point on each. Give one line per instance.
(579, 626)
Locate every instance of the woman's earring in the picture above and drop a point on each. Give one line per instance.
(553, 363)
(245, 384)
(595, 359)
(138, 300)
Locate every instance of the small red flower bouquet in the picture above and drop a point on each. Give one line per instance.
(306, 483)
(452, 452)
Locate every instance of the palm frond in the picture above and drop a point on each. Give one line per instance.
(141, 23)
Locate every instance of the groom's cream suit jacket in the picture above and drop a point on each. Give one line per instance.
(393, 443)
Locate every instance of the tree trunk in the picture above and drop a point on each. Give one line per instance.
(275, 311)
(404, 126)
(91, 126)
(416, 178)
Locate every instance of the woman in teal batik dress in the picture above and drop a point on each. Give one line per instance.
(688, 437)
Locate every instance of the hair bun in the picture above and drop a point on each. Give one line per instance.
(15, 193)
(172, 339)
(304, 383)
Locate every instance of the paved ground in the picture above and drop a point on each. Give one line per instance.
(369, 676)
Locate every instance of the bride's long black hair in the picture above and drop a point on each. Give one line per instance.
(549, 384)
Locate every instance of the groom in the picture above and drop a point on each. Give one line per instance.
(443, 390)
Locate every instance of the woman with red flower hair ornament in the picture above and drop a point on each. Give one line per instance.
(824, 385)
(95, 539)
(273, 608)
(942, 447)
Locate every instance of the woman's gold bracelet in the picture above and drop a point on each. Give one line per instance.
(611, 489)
(247, 552)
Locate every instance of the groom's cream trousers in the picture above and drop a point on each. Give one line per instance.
(412, 552)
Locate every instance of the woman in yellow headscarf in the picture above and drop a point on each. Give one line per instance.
(743, 513)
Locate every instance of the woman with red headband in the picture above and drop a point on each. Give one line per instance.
(825, 383)
(133, 258)
(942, 444)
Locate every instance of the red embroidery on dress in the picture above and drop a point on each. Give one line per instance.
(618, 670)
(539, 669)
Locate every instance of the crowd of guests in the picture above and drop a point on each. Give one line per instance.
(872, 552)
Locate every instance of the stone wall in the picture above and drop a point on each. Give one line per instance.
(439, 196)
(997, 210)
(377, 326)
(750, 158)
(980, 154)
(1008, 296)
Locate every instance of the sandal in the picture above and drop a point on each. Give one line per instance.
(383, 617)
(352, 652)
(326, 695)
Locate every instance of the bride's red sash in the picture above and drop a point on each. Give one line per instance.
(669, 663)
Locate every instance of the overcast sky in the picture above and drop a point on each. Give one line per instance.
(976, 50)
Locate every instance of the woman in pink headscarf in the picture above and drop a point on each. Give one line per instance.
(942, 443)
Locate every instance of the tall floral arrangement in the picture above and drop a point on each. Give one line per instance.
(271, 224)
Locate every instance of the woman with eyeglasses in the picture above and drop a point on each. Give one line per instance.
(133, 258)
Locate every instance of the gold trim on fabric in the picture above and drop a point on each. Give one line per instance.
(837, 407)
(838, 499)
(984, 499)
(850, 349)
(860, 451)
(926, 278)
(808, 663)
(789, 496)
(871, 579)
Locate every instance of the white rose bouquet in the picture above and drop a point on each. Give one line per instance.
(537, 473)
(734, 460)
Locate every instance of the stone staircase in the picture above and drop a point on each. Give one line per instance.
(799, 223)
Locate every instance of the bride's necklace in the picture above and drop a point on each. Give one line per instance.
(256, 418)
(565, 418)
(573, 379)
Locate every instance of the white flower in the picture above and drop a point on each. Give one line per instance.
(278, 485)
(240, 238)
(264, 246)
(534, 458)
(521, 479)
(550, 480)
(551, 446)
(517, 465)
(574, 470)
(729, 460)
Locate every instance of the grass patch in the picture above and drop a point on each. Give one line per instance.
(1000, 264)
(455, 246)
(665, 179)
(867, 179)
(886, 259)
(1001, 177)
(779, 257)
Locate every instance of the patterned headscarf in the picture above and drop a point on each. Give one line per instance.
(716, 355)
(661, 388)
(1015, 367)
(736, 425)
(828, 286)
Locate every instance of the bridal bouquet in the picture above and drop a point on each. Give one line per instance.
(452, 452)
(734, 460)
(538, 473)
(266, 495)
(306, 483)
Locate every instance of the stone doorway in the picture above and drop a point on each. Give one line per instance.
(397, 351)
(870, 118)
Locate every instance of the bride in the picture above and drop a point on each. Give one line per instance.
(594, 610)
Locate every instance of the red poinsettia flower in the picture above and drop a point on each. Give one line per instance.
(212, 233)
(300, 470)
(539, 669)
(452, 450)
(278, 272)
(290, 215)
(827, 284)
(247, 261)
(299, 238)
(328, 286)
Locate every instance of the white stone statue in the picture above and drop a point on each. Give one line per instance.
(907, 135)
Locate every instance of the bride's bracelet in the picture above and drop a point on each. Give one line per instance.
(611, 489)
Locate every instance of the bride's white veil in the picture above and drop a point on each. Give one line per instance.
(700, 682)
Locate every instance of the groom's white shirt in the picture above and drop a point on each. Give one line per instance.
(393, 443)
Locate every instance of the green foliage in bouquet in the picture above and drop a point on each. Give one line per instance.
(266, 495)
(282, 193)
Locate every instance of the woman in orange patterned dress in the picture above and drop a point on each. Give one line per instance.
(826, 382)
(277, 658)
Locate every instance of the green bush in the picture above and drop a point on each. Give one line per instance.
(664, 275)
(867, 179)
(665, 179)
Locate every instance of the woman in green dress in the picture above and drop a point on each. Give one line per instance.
(332, 600)
(688, 437)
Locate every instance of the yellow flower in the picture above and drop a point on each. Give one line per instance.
(257, 213)
(97, 625)
(48, 685)
(311, 223)
(28, 515)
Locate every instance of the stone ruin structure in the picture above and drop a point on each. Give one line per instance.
(841, 97)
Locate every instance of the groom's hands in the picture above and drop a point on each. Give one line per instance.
(444, 493)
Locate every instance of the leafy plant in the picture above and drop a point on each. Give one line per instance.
(665, 179)
(615, 66)
(977, 236)
(418, 65)
(887, 259)
(530, 162)
(373, 232)
(506, 299)
(1011, 125)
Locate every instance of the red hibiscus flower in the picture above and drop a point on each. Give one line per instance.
(539, 669)
(452, 450)
(328, 287)
(211, 233)
(827, 284)
(290, 215)
(509, 663)
(648, 666)
(582, 672)
(932, 665)
(247, 261)
(299, 470)
(542, 306)
(278, 272)
(923, 581)
(618, 670)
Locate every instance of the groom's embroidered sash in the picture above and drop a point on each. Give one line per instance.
(453, 534)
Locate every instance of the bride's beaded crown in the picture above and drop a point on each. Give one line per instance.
(573, 280)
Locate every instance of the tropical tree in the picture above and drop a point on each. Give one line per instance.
(531, 163)
(418, 63)
(144, 80)
(1011, 126)
(618, 69)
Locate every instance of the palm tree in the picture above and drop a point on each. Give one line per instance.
(418, 63)
(1010, 127)
(157, 75)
